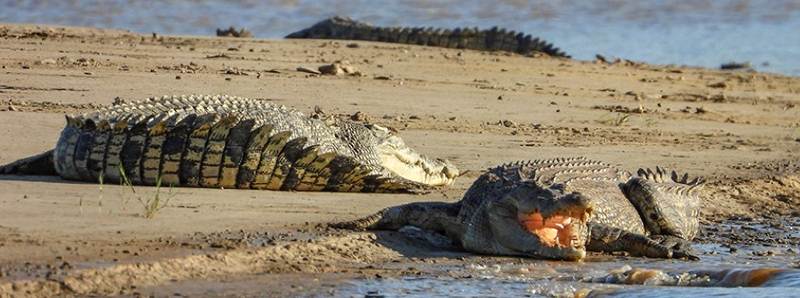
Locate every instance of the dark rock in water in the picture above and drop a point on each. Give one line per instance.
(735, 65)
(233, 32)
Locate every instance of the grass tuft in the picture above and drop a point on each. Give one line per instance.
(617, 120)
(151, 205)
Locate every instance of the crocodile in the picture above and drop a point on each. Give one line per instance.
(494, 39)
(560, 209)
(232, 142)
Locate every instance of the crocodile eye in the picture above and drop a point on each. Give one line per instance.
(653, 216)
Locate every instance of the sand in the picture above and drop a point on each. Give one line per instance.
(739, 130)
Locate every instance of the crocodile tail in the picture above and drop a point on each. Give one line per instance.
(40, 164)
(684, 185)
(669, 203)
(694, 184)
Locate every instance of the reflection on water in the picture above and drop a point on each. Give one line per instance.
(692, 32)
(720, 283)
(754, 277)
(726, 268)
(781, 284)
(698, 292)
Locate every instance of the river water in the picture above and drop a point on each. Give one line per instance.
(683, 32)
(731, 257)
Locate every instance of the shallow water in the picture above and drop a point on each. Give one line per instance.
(554, 281)
(600, 274)
(685, 32)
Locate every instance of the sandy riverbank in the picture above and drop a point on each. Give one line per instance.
(738, 129)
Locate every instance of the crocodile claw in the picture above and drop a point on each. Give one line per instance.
(680, 248)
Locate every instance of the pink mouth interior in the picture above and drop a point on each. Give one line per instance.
(553, 231)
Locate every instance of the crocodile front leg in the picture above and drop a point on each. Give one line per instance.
(433, 216)
(674, 243)
(607, 239)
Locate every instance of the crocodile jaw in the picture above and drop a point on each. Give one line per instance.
(564, 229)
(405, 162)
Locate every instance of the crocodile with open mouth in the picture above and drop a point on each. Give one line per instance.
(560, 209)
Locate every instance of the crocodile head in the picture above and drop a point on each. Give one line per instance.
(399, 159)
(541, 223)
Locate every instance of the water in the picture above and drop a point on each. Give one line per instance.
(684, 32)
(725, 268)
(563, 280)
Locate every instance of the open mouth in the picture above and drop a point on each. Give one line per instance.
(561, 229)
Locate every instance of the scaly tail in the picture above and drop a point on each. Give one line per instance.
(40, 164)
(668, 203)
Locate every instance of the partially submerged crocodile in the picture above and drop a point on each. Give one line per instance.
(233, 142)
(493, 39)
(559, 209)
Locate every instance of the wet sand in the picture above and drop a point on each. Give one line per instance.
(740, 130)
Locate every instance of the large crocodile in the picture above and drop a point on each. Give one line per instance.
(493, 39)
(559, 209)
(222, 141)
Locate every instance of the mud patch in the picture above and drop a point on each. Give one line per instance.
(315, 256)
(761, 197)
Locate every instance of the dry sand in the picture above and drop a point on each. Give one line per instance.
(740, 130)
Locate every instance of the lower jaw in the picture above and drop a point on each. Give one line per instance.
(570, 253)
(574, 255)
(580, 254)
